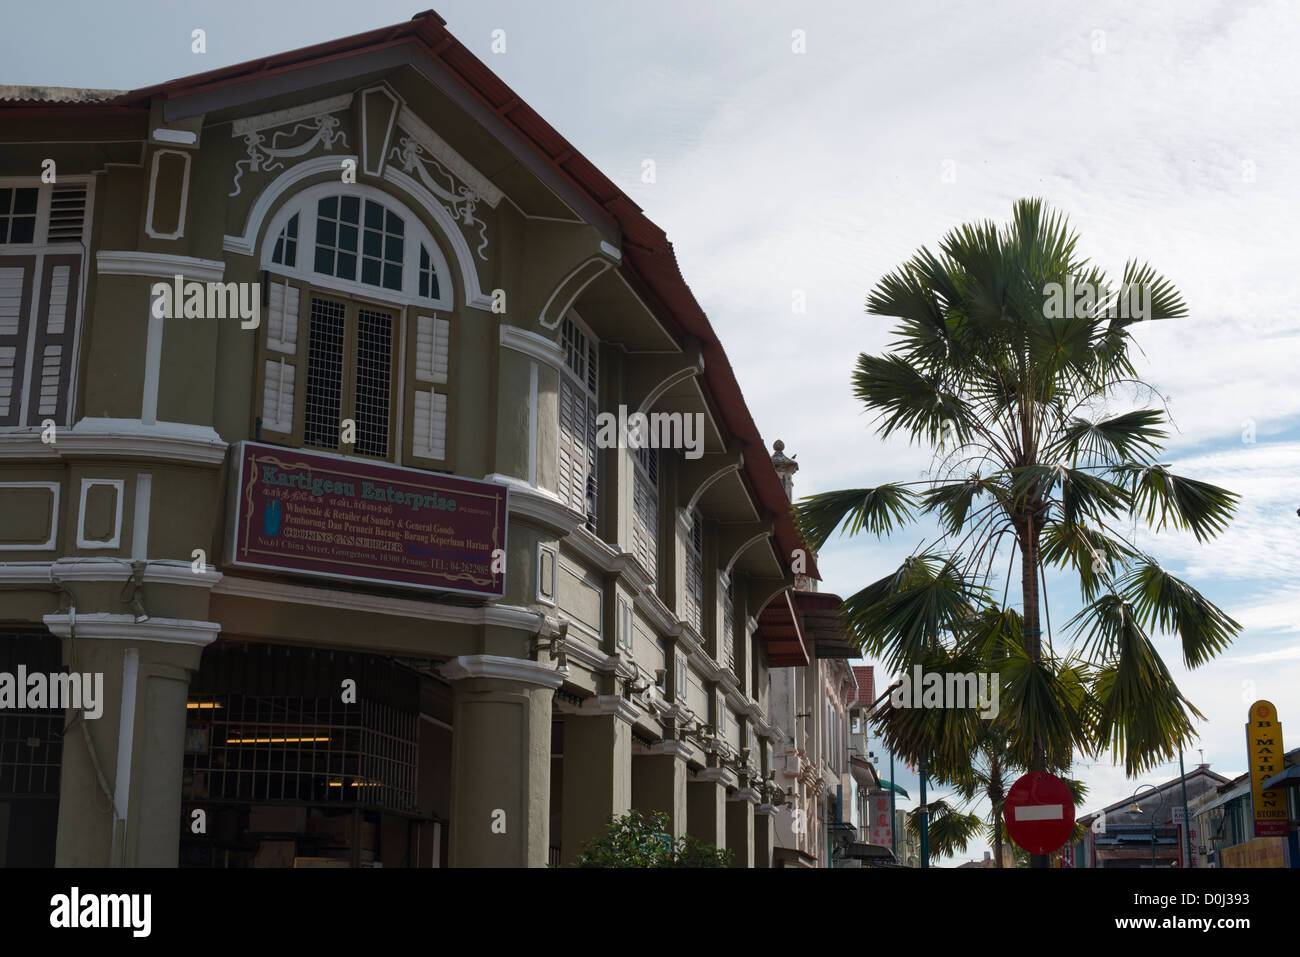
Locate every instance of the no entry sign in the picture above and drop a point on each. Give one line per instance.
(1039, 811)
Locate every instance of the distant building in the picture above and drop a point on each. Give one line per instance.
(1130, 832)
(1224, 833)
(819, 820)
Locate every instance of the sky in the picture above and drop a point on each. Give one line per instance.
(801, 151)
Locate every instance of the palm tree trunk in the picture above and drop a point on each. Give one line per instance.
(997, 798)
(1028, 536)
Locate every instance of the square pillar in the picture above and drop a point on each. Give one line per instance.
(597, 768)
(706, 799)
(740, 827)
(143, 672)
(500, 761)
(659, 783)
(764, 835)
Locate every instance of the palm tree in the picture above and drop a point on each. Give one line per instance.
(1012, 360)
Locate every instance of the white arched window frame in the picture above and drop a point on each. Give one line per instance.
(419, 247)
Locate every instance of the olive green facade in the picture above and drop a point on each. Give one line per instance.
(611, 674)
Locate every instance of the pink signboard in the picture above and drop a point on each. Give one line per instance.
(882, 825)
(349, 518)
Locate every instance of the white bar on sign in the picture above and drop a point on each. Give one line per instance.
(1040, 812)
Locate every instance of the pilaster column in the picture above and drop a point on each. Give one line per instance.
(597, 767)
(120, 787)
(500, 760)
(659, 782)
(764, 835)
(706, 799)
(740, 827)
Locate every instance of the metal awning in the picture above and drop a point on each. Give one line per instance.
(863, 773)
(1290, 778)
(891, 786)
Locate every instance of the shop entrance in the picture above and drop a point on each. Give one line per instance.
(31, 756)
(302, 757)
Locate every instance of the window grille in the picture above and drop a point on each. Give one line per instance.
(319, 750)
(324, 374)
(374, 360)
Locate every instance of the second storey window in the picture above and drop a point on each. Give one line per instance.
(693, 604)
(645, 510)
(349, 376)
(578, 385)
(353, 343)
(43, 230)
(729, 624)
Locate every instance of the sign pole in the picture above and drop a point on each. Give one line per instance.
(1187, 818)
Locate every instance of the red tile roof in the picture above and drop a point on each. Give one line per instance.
(866, 677)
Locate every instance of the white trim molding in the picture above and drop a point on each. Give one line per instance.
(153, 188)
(176, 631)
(531, 344)
(119, 506)
(505, 616)
(132, 262)
(160, 571)
(54, 488)
(119, 438)
(502, 668)
(245, 243)
(456, 164)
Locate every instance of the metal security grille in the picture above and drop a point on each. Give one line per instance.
(374, 362)
(324, 374)
(31, 753)
(316, 750)
(31, 739)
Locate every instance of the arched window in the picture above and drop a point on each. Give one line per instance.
(358, 239)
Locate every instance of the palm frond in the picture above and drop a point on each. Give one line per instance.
(879, 510)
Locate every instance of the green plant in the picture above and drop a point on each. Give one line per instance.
(634, 840)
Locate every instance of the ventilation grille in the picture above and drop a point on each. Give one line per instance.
(67, 213)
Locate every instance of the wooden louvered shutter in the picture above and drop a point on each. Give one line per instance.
(428, 390)
(15, 308)
(281, 363)
(573, 446)
(56, 331)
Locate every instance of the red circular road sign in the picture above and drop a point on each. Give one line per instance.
(1039, 812)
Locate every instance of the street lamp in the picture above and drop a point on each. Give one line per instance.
(1135, 808)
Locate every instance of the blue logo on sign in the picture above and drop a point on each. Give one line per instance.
(271, 517)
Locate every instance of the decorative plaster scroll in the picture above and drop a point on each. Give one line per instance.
(266, 156)
(446, 174)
